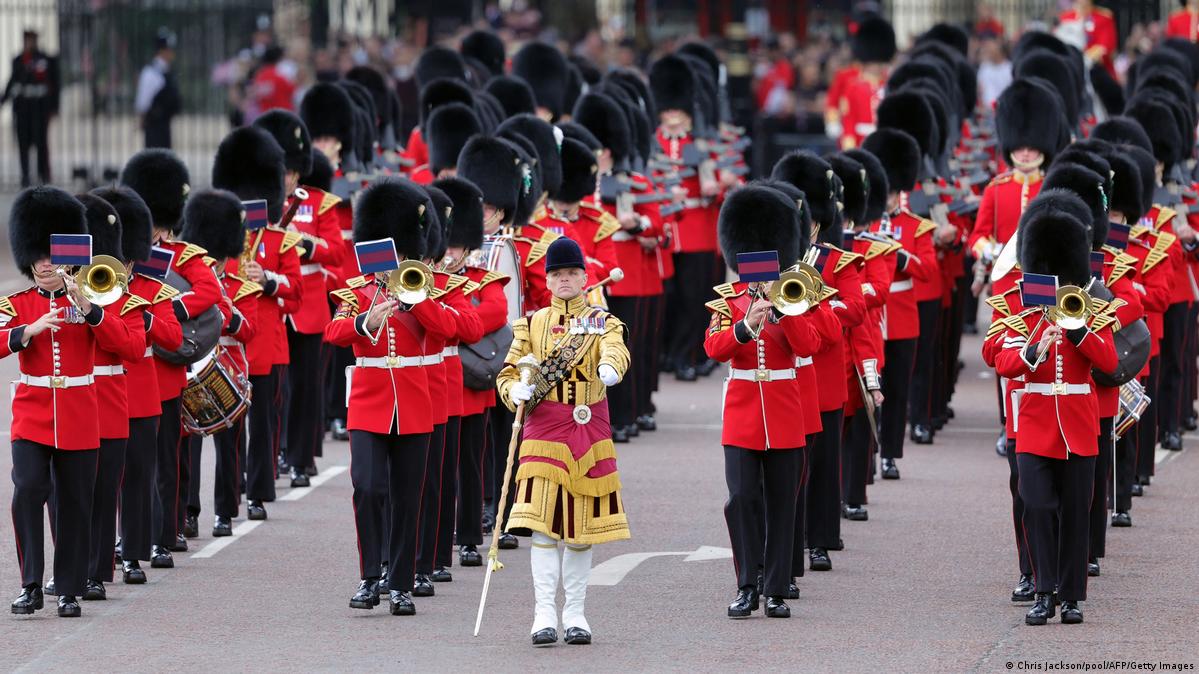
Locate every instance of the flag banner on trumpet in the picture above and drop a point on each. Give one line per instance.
(1117, 235)
(157, 265)
(1038, 290)
(1097, 264)
(375, 257)
(758, 267)
(256, 217)
(70, 250)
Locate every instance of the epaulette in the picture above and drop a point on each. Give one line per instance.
(608, 226)
(246, 289)
(1017, 322)
(357, 282)
(1102, 321)
(165, 292)
(720, 306)
(290, 240)
(538, 247)
(999, 302)
(7, 308)
(726, 290)
(1001, 179)
(877, 248)
(134, 302)
(996, 327)
(1110, 308)
(346, 295)
(1118, 272)
(489, 277)
(437, 293)
(454, 281)
(828, 292)
(1098, 306)
(1124, 258)
(1164, 215)
(925, 227)
(210, 261)
(189, 251)
(1137, 231)
(847, 258)
(1164, 241)
(1152, 259)
(328, 201)
(470, 287)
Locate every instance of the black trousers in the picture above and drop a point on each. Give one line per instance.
(1101, 492)
(1023, 554)
(165, 514)
(1057, 499)
(900, 355)
(444, 558)
(762, 482)
(33, 127)
(1172, 368)
(260, 451)
(430, 501)
(644, 355)
(1189, 362)
(110, 465)
(386, 471)
(185, 478)
(73, 473)
(227, 475)
(1146, 428)
(799, 540)
(1126, 472)
(928, 348)
(855, 458)
(305, 421)
(657, 307)
(694, 276)
(470, 479)
(138, 488)
(499, 435)
(822, 492)
(622, 398)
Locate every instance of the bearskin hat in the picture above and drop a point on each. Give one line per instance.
(1088, 186)
(466, 226)
(37, 213)
(1028, 114)
(876, 177)
(394, 209)
(545, 140)
(1055, 70)
(1169, 59)
(1127, 195)
(899, 154)
(215, 220)
(249, 163)
(645, 98)
(910, 112)
(328, 112)
(440, 92)
(948, 34)
(450, 126)
(639, 124)
(604, 118)
(291, 134)
(1092, 159)
(1123, 129)
(579, 172)
(495, 167)
(855, 186)
(1038, 39)
(1107, 90)
(487, 48)
(672, 84)
(1186, 49)
(513, 93)
(575, 83)
(1054, 239)
(379, 87)
(162, 181)
(945, 123)
(576, 131)
(494, 108)
(321, 175)
(443, 210)
(755, 218)
(1160, 126)
(800, 200)
(814, 177)
(547, 72)
(437, 62)
(137, 226)
(531, 189)
(875, 41)
(104, 224)
(1147, 171)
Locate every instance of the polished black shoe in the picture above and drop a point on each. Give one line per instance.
(191, 527)
(367, 595)
(1172, 441)
(890, 470)
(706, 368)
(939, 421)
(180, 543)
(49, 588)
(132, 574)
(422, 586)
(116, 554)
(94, 591)
(777, 608)
(1093, 569)
(619, 436)
(745, 603)
(855, 513)
(222, 526)
(1137, 490)
(686, 373)
(30, 600)
(468, 555)
(1071, 614)
(255, 511)
(401, 603)
(647, 423)
(311, 470)
(160, 558)
(1041, 611)
(441, 575)
(1120, 519)
(508, 541)
(577, 636)
(632, 430)
(818, 560)
(545, 637)
(68, 607)
(1024, 590)
(792, 590)
(838, 546)
(299, 477)
(922, 435)
(338, 431)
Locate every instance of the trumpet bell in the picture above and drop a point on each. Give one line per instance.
(103, 281)
(412, 282)
(1006, 260)
(793, 293)
(1073, 308)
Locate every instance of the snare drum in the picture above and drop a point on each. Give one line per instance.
(217, 394)
(1133, 403)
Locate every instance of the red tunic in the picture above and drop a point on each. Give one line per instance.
(1100, 28)
(275, 250)
(1183, 23)
(470, 330)
(241, 326)
(205, 293)
(1003, 202)
(1153, 280)
(531, 242)
(317, 221)
(141, 376)
(695, 225)
(486, 295)
(849, 307)
(914, 234)
(1118, 277)
(860, 103)
(111, 383)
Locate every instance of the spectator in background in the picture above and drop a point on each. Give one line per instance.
(994, 69)
(1184, 23)
(626, 53)
(777, 79)
(273, 85)
(986, 23)
(33, 88)
(158, 100)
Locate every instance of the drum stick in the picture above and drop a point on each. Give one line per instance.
(615, 276)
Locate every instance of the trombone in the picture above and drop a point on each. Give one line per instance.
(1074, 306)
(102, 281)
(410, 283)
(799, 288)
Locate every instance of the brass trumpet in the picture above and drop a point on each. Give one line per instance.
(411, 283)
(1074, 307)
(103, 281)
(797, 290)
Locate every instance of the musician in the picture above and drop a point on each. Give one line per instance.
(162, 181)
(54, 329)
(251, 164)
(1057, 415)
(390, 416)
(214, 220)
(137, 483)
(321, 254)
(581, 351)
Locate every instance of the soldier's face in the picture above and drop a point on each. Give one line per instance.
(566, 284)
(45, 275)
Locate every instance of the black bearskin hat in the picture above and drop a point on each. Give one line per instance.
(37, 213)
(855, 186)
(487, 48)
(755, 218)
(1123, 129)
(1089, 187)
(530, 192)
(495, 167)
(814, 177)
(673, 84)
(162, 181)
(876, 175)
(545, 140)
(492, 111)
(1127, 195)
(291, 134)
(800, 200)
(1054, 240)
(1107, 89)
(875, 41)
(137, 227)
(443, 212)
(380, 90)
(604, 118)
(1186, 49)
(1028, 114)
(948, 34)
(513, 93)
(1055, 70)
(1169, 59)
(104, 224)
(437, 62)
(547, 72)
(449, 127)
(249, 163)
(579, 172)
(1159, 124)
(908, 111)
(440, 92)
(466, 225)
(644, 97)
(328, 112)
(215, 220)
(576, 131)
(394, 209)
(321, 175)
(898, 153)
(1147, 170)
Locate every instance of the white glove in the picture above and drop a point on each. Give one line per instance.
(521, 393)
(607, 374)
(833, 129)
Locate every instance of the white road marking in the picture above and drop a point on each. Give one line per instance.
(300, 492)
(614, 570)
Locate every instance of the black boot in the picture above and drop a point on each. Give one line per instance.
(777, 608)
(745, 603)
(68, 607)
(299, 477)
(441, 575)
(94, 591)
(890, 470)
(922, 435)
(160, 558)
(131, 573)
(577, 636)
(30, 600)
(855, 513)
(401, 603)
(1041, 611)
(508, 541)
(367, 595)
(222, 526)
(255, 510)
(468, 555)
(545, 637)
(422, 586)
(1092, 568)
(818, 560)
(191, 527)
(1121, 519)
(1071, 613)
(1024, 589)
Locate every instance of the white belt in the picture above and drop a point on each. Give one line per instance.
(347, 235)
(900, 286)
(695, 203)
(622, 235)
(803, 361)
(762, 374)
(435, 359)
(149, 352)
(1057, 389)
(226, 340)
(390, 362)
(57, 382)
(309, 269)
(108, 370)
(449, 351)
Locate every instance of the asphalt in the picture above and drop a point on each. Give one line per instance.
(922, 586)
